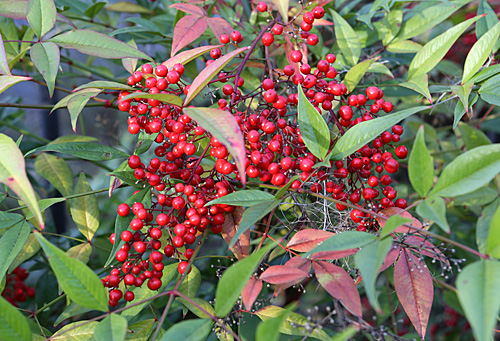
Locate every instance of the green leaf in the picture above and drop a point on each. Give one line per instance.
(130, 64)
(140, 331)
(56, 171)
(313, 128)
(481, 196)
(41, 15)
(420, 166)
(112, 328)
(356, 73)
(419, 84)
(468, 171)
(486, 23)
(78, 332)
(282, 7)
(434, 209)
(459, 111)
(84, 210)
(144, 142)
(97, 44)
(480, 52)
(9, 219)
(8, 81)
(45, 56)
(208, 73)
(11, 244)
(369, 260)
(166, 98)
(489, 91)
(128, 7)
(94, 9)
(365, 132)
(79, 282)
(13, 325)
(78, 102)
(105, 85)
(71, 310)
(404, 46)
(252, 215)
(81, 252)
(347, 39)
(191, 283)
(29, 249)
(483, 225)
(477, 287)
(393, 223)
(432, 52)
(343, 241)
(285, 188)
(472, 137)
(143, 293)
(380, 68)
(486, 73)
(463, 93)
(64, 102)
(13, 174)
(429, 18)
(493, 244)
(224, 127)
(122, 223)
(4, 64)
(245, 198)
(84, 150)
(195, 308)
(193, 330)
(269, 329)
(234, 279)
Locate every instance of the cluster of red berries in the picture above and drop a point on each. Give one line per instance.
(190, 167)
(15, 290)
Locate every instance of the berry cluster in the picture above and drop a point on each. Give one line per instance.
(191, 167)
(15, 290)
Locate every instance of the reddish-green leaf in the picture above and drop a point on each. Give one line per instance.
(13, 9)
(13, 174)
(219, 26)
(241, 247)
(298, 262)
(13, 325)
(166, 98)
(188, 8)
(306, 240)
(390, 258)
(128, 7)
(392, 211)
(8, 81)
(223, 126)
(339, 284)
(4, 64)
(97, 44)
(331, 255)
(45, 57)
(413, 284)
(208, 73)
(279, 274)
(41, 15)
(251, 292)
(189, 55)
(187, 30)
(344, 241)
(56, 171)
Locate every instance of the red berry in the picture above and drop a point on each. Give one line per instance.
(123, 210)
(296, 56)
(224, 39)
(267, 39)
(401, 152)
(262, 6)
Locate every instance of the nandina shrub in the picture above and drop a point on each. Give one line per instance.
(287, 170)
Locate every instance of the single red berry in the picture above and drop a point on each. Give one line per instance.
(224, 39)
(267, 39)
(401, 152)
(262, 6)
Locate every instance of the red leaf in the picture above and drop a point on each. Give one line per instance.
(241, 248)
(390, 258)
(339, 284)
(186, 56)
(191, 9)
(251, 292)
(427, 248)
(388, 212)
(329, 255)
(219, 26)
(413, 284)
(298, 262)
(280, 274)
(208, 73)
(306, 240)
(187, 30)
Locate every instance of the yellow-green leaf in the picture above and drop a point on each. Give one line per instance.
(84, 210)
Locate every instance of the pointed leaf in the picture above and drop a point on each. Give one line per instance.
(81, 252)
(306, 240)
(13, 174)
(463, 93)
(140, 331)
(431, 54)
(313, 128)
(347, 39)
(219, 26)
(279, 274)
(112, 328)
(337, 282)
(356, 73)
(128, 7)
(195, 309)
(369, 260)
(282, 7)
(246, 198)
(251, 292)
(8, 81)
(4, 64)
(105, 85)
(189, 330)
(84, 210)
(97, 44)
(45, 56)
(493, 243)
(187, 30)
(79, 282)
(404, 46)
(413, 284)
(186, 56)
(298, 262)
(166, 98)
(234, 279)
(396, 211)
(56, 171)
(344, 241)
(331, 255)
(241, 248)
(223, 126)
(78, 102)
(9, 219)
(487, 22)
(29, 249)
(390, 258)
(84, 150)
(419, 84)
(468, 171)
(13, 325)
(208, 73)
(434, 209)
(365, 132)
(477, 286)
(420, 166)
(78, 332)
(41, 15)
(11, 244)
(480, 52)
(64, 101)
(472, 137)
(130, 64)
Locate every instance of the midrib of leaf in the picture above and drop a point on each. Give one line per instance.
(419, 311)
